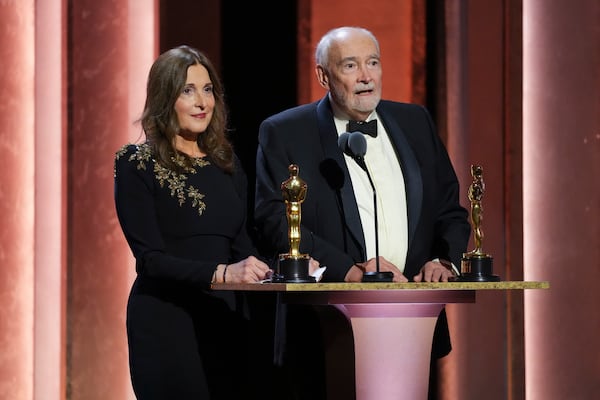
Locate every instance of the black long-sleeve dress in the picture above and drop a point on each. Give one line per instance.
(185, 341)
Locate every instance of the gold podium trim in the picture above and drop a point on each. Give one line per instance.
(358, 286)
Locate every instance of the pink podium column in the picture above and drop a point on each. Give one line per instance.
(393, 333)
(392, 348)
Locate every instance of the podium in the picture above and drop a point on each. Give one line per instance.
(392, 325)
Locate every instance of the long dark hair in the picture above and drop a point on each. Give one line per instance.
(166, 80)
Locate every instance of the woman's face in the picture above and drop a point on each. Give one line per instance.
(195, 104)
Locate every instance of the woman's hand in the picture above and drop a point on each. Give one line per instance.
(249, 270)
(313, 265)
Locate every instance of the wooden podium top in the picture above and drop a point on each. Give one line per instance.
(359, 286)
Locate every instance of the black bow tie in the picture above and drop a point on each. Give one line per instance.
(369, 128)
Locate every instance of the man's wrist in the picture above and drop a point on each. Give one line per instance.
(449, 265)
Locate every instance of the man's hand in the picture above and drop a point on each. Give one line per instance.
(355, 274)
(435, 271)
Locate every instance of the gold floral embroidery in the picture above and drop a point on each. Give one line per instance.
(120, 153)
(196, 199)
(174, 181)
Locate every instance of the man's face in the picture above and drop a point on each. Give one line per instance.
(354, 76)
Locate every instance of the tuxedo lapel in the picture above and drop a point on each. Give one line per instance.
(413, 181)
(335, 172)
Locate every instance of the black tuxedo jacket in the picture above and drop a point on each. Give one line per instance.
(331, 230)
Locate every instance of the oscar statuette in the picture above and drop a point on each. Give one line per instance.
(476, 265)
(293, 266)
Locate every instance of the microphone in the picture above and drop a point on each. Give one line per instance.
(355, 146)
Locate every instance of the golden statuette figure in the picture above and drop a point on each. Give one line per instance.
(294, 193)
(476, 191)
(476, 265)
(294, 266)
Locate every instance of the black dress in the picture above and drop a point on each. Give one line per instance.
(185, 341)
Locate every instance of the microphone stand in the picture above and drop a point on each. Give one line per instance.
(354, 145)
(377, 275)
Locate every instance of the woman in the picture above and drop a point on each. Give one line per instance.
(180, 198)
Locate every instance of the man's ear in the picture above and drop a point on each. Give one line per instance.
(322, 77)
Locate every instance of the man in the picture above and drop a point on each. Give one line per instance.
(422, 228)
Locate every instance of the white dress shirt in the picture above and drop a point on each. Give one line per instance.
(385, 171)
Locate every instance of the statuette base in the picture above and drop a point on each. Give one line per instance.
(477, 268)
(293, 269)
